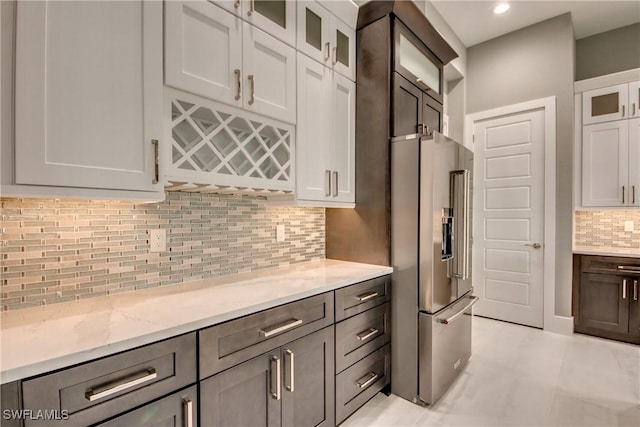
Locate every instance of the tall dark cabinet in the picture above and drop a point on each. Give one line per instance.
(395, 42)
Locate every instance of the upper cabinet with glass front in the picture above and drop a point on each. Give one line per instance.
(415, 62)
(611, 103)
(325, 38)
(276, 17)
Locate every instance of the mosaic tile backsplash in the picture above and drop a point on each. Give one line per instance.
(606, 228)
(55, 251)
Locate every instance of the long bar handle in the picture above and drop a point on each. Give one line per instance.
(623, 110)
(629, 267)
(367, 379)
(633, 194)
(238, 84)
(252, 8)
(364, 335)
(291, 386)
(335, 55)
(635, 290)
(266, 333)
(448, 320)
(633, 109)
(187, 407)
(623, 191)
(252, 82)
(335, 184)
(275, 394)
(327, 183)
(367, 296)
(121, 384)
(624, 288)
(327, 51)
(156, 161)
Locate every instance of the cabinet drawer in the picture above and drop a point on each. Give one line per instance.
(360, 297)
(100, 389)
(228, 344)
(361, 382)
(360, 335)
(611, 265)
(177, 410)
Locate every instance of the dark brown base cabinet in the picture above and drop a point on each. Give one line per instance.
(606, 297)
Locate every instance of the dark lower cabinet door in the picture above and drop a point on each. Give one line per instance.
(308, 381)
(245, 395)
(177, 410)
(634, 306)
(603, 302)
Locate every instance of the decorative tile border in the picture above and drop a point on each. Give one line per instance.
(54, 251)
(606, 228)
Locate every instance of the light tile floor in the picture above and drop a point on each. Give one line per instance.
(520, 376)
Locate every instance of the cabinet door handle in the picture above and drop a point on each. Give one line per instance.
(335, 184)
(367, 296)
(623, 190)
(623, 110)
(288, 353)
(367, 379)
(327, 183)
(187, 407)
(364, 335)
(266, 333)
(252, 8)
(635, 290)
(624, 288)
(252, 82)
(633, 109)
(275, 394)
(335, 55)
(327, 51)
(633, 194)
(156, 162)
(238, 84)
(236, 4)
(121, 384)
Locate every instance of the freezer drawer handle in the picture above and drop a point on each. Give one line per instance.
(458, 314)
(121, 384)
(267, 332)
(364, 335)
(367, 379)
(367, 296)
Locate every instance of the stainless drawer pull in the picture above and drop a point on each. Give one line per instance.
(628, 267)
(635, 290)
(121, 384)
(291, 386)
(187, 407)
(367, 334)
(624, 288)
(458, 314)
(275, 394)
(280, 328)
(367, 379)
(367, 296)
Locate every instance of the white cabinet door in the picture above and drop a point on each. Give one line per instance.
(88, 93)
(605, 104)
(634, 162)
(314, 27)
(343, 48)
(605, 164)
(634, 99)
(314, 122)
(203, 50)
(343, 138)
(269, 75)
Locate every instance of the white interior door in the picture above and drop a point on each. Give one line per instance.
(509, 217)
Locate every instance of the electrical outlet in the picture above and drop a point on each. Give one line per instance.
(628, 226)
(157, 240)
(280, 233)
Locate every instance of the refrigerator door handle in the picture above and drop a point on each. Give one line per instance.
(460, 194)
(460, 313)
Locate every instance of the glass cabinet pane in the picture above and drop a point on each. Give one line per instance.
(313, 29)
(274, 10)
(342, 42)
(414, 61)
(605, 104)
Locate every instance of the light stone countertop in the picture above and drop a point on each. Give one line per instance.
(607, 251)
(41, 339)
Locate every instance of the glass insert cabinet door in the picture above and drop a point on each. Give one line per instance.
(605, 104)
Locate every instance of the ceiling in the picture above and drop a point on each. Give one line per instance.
(475, 22)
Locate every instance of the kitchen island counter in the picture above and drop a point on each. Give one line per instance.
(42, 339)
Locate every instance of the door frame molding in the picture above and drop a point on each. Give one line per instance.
(550, 321)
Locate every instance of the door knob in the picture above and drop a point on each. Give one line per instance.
(534, 245)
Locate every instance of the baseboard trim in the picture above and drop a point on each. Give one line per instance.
(559, 325)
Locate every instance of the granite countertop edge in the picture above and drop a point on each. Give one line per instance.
(607, 251)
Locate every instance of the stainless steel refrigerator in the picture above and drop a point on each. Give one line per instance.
(431, 237)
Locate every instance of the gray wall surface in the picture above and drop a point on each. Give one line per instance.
(532, 63)
(608, 52)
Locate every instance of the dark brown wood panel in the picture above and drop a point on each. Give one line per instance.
(10, 400)
(602, 304)
(407, 107)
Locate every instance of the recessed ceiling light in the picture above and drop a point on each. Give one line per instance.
(501, 8)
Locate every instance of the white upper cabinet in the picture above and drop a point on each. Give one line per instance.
(88, 88)
(343, 139)
(605, 104)
(213, 53)
(634, 99)
(610, 164)
(203, 50)
(325, 38)
(276, 17)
